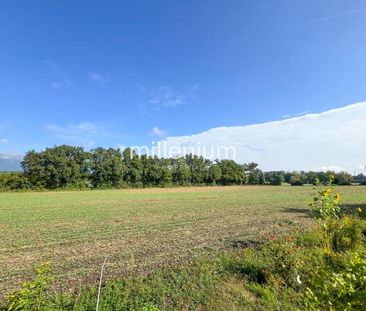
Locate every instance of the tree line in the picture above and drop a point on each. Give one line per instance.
(73, 167)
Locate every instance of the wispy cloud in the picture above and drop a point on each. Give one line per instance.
(286, 116)
(62, 79)
(2, 140)
(55, 68)
(10, 161)
(10, 156)
(99, 78)
(166, 96)
(329, 168)
(158, 132)
(61, 84)
(83, 133)
(334, 16)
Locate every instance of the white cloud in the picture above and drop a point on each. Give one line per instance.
(10, 156)
(167, 96)
(62, 79)
(3, 141)
(158, 132)
(10, 161)
(98, 78)
(61, 84)
(287, 116)
(83, 133)
(335, 138)
(329, 168)
(55, 68)
(334, 16)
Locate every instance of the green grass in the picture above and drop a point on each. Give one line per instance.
(146, 228)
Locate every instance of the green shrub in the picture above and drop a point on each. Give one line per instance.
(326, 203)
(339, 282)
(276, 263)
(14, 181)
(310, 239)
(250, 264)
(345, 233)
(340, 290)
(33, 294)
(150, 308)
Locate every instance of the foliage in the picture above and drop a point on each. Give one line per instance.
(277, 263)
(198, 167)
(33, 294)
(58, 167)
(344, 233)
(72, 168)
(342, 178)
(326, 202)
(231, 173)
(14, 181)
(341, 282)
(340, 290)
(296, 179)
(106, 168)
(274, 178)
(254, 176)
(180, 171)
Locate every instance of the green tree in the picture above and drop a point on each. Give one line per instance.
(254, 175)
(106, 169)
(14, 181)
(214, 174)
(181, 172)
(198, 167)
(166, 178)
(296, 180)
(34, 168)
(151, 171)
(343, 178)
(231, 173)
(274, 177)
(57, 167)
(132, 168)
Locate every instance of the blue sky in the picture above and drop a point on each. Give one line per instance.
(111, 73)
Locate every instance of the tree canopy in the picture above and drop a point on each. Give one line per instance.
(73, 167)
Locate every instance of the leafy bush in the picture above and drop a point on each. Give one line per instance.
(14, 181)
(34, 294)
(326, 202)
(277, 263)
(345, 233)
(340, 282)
(341, 290)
